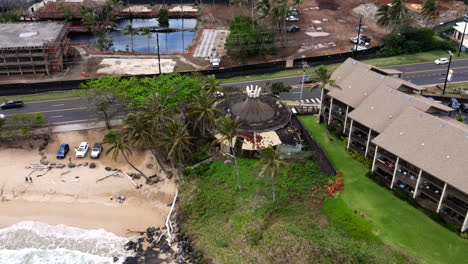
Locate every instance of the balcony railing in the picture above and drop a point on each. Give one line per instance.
(455, 207)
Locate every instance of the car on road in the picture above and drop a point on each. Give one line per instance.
(62, 151)
(96, 150)
(12, 104)
(292, 18)
(441, 61)
(454, 103)
(82, 150)
(293, 28)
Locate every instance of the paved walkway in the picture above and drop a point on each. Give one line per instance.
(84, 126)
(211, 39)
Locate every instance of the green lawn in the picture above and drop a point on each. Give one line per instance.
(393, 220)
(42, 96)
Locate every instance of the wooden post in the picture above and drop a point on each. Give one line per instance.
(417, 184)
(368, 141)
(345, 119)
(441, 198)
(330, 110)
(375, 158)
(350, 131)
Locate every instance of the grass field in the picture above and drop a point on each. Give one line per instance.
(247, 227)
(393, 221)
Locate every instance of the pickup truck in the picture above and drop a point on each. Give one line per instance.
(12, 104)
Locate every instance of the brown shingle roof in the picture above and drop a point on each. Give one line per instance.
(385, 104)
(356, 81)
(437, 146)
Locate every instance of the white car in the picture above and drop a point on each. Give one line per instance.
(82, 150)
(292, 18)
(96, 151)
(441, 61)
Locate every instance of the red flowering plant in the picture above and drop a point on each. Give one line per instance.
(335, 186)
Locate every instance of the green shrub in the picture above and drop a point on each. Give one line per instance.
(163, 17)
(364, 160)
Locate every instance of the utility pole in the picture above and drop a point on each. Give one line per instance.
(302, 84)
(465, 19)
(159, 57)
(358, 36)
(448, 71)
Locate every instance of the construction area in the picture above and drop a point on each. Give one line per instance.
(32, 48)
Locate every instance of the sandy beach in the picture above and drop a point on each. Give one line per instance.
(71, 196)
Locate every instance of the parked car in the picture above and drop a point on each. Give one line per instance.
(454, 103)
(12, 104)
(82, 150)
(292, 18)
(96, 151)
(362, 40)
(293, 28)
(441, 61)
(464, 107)
(62, 151)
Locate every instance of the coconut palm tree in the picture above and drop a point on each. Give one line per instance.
(130, 30)
(211, 85)
(177, 140)
(120, 145)
(147, 32)
(383, 16)
(228, 128)
(431, 9)
(203, 111)
(264, 8)
(269, 159)
(397, 10)
(322, 80)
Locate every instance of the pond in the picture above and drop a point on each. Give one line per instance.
(168, 42)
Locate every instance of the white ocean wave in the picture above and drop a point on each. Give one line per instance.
(42, 243)
(56, 256)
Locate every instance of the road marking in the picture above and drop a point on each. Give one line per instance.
(318, 100)
(58, 104)
(57, 116)
(453, 68)
(55, 100)
(313, 101)
(307, 100)
(54, 111)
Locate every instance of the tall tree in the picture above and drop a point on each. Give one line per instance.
(147, 32)
(397, 10)
(203, 111)
(211, 85)
(228, 128)
(383, 16)
(120, 145)
(431, 9)
(269, 159)
(178, 141)
(264, 8)
(103, 103)
(130, 30)
(322, 79)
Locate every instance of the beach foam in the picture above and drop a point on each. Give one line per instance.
(35, 242)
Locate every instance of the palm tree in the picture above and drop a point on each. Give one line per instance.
(145, 127)
(397, 10)
(269, 159)
(383, 16)
(147, 32)
(430, 9)
(229, 128)
(211, 85)
(203, 111)
(130, 30)
(322, 80)
(177, 141)
(120, 145)
(264, 8)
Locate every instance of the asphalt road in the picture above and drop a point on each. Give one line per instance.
(430, 73)
(65, 111)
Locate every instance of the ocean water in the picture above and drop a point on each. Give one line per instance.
(31, 242)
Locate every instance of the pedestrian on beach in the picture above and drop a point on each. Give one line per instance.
(26, 178)
(30, 179)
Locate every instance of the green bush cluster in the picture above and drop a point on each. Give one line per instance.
(413, 40)
(362, 159)
(21, 124)
(163, 17)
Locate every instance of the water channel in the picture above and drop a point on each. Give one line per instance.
(171, 42)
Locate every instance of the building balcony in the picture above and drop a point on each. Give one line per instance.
(356, 147)
(384, 176)
(455, 207)
(23, 54)
(434, 194)
(451, 216)
(409, 190)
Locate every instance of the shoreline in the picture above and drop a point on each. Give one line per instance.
(114, 219)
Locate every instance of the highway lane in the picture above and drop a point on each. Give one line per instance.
(429, 73)
(72, 111)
